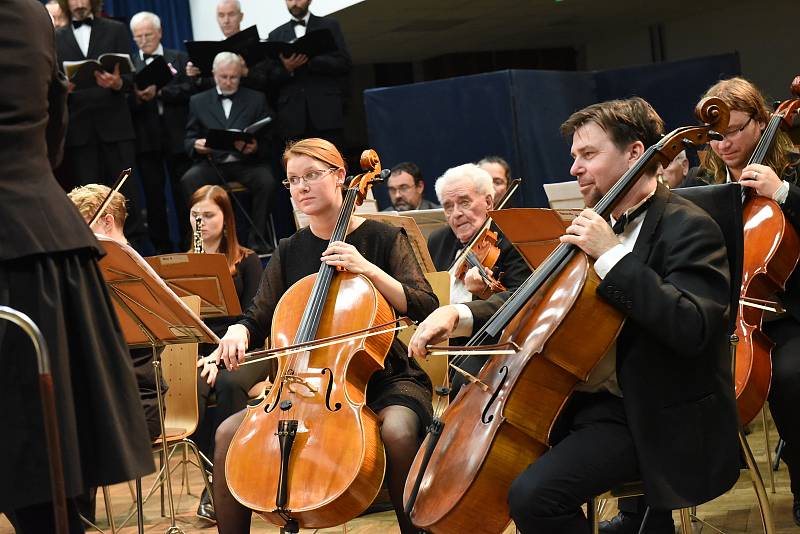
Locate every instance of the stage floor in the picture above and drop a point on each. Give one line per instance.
(734, 512)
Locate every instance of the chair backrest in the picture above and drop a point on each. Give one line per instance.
(723, 203)
(179, 367)
(436, 367)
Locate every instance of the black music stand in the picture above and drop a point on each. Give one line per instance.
(151, 315)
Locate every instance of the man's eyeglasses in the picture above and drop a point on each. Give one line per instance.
(309, 177)
(405, 188)
(733, 132)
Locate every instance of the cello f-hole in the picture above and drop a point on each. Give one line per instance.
(268, 409)
(338, 405)
(488, 418)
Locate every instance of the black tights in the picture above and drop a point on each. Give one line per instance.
(400, 433)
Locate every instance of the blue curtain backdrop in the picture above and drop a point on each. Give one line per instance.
(176, 22)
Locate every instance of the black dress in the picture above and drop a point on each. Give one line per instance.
(48, 270)
(401, 382)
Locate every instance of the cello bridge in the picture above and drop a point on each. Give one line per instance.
(292, 380)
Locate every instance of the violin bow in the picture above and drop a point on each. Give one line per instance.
(103, 205)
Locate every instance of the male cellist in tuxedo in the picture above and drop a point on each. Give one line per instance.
(659, 406)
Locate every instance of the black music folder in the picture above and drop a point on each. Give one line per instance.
(81, 73)
(157, 73)
(226, 139)
(202, 53)
(311, 44)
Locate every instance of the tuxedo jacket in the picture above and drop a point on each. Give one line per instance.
(673, 362)
(790, 297)
(205, 112)
(154, 132)
(35, 211)
(315, 88)
(443, 245)
(102, 111)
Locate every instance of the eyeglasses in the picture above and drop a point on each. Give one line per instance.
(308, 178)
(733, 132)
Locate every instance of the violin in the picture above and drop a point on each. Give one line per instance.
(771, 253)
(500, 422)
(482, 250)
(314, 424)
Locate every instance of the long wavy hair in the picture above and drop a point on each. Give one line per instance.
(742, 95)
(97, 8)
(229, 244)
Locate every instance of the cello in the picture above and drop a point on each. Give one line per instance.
(310, 454)
(771, 253)
(500, 423)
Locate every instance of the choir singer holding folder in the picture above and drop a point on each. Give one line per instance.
(227, 106)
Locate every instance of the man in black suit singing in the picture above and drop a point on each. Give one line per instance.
(659, 406)
(159, 118)
(229, 106)
(100, 135)
(310, 100)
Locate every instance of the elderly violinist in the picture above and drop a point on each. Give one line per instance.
(659, 406)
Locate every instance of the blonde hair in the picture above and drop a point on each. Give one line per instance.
(742, 95)
(316, 148)
(87, 198)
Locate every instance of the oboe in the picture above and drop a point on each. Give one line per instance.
(198, 235)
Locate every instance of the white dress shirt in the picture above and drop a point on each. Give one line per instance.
(83, 35)
(299, 30)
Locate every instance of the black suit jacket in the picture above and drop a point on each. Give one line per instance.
(154, 132)
(205, 112)
(102, 111)
(673, 363)
(35, 211)
(443, 245)
(315, 88)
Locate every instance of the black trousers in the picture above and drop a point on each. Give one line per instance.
(100, 163)
(256, 177)
(784, 394)
(153, 168)
(593, 451)
(231, 390)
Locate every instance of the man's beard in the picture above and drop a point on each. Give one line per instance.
(298, 12)
(81, 13)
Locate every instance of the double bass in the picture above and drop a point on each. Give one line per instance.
(771, 253)
(500, 423)
(310, 454)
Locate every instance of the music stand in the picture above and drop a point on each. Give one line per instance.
(427, 220)
(415, 237)
(534, 232)
(151, 315)
(204, 275)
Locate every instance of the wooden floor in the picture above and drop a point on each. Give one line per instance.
(734, 512)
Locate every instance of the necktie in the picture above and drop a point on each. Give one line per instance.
(298, 22)
(624, 219)
(148, 56)
(78, 23)
(223, 97)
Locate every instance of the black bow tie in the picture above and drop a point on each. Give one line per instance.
(78, 23)
(298, 22)
(223, 97)
(148, 56)
(625, 218)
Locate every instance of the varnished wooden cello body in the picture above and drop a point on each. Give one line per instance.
(500, 423)
(771, 253)
(310, 455)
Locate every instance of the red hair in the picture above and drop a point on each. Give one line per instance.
(229, 244)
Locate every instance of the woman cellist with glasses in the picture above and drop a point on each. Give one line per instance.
(400, 394)
(775, 178)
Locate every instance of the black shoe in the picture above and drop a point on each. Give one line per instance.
(206, 509)
(629, 524)
(796, 511)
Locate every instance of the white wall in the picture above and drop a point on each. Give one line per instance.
(267, 14)
(764, 37)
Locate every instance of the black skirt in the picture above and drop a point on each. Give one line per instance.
(104, 437)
